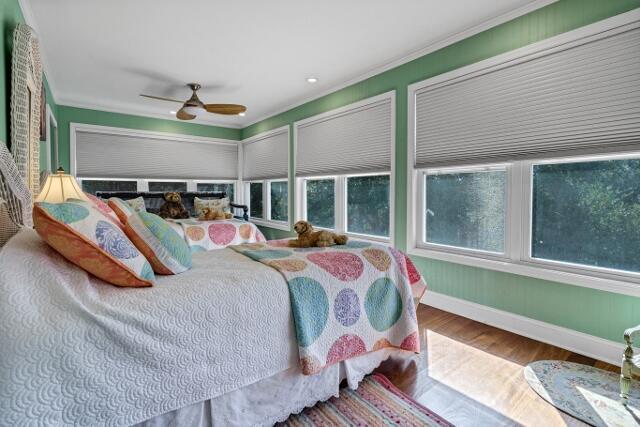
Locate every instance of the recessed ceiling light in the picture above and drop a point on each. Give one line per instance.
(172, 112)
(312, 79)
(242, 114)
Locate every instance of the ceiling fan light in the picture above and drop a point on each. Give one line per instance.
(194, 110)
(242, 114)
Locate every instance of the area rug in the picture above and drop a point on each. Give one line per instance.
(584, 392)
(376, 402)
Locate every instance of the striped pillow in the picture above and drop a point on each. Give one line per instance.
(122, 209)
(167, 252)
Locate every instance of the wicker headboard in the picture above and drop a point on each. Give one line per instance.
(15, 198)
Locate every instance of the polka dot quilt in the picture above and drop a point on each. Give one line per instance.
(346, 300)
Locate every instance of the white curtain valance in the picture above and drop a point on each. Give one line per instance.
(266, 156)
(352, 139)
(105, 155)
(582, 99)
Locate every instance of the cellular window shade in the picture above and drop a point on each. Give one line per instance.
(352, 141)
(267, 157)
(582, 99)
(103, 155)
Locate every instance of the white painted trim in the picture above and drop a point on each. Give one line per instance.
(109, 130)
(454, 38)
(49, 138)
(517, 264)
(577, 342)
(65, 102)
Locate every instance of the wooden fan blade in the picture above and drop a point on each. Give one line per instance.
(226, 109)
(183, 115)
(161, 98)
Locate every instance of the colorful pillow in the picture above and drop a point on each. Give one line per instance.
(100, 205)
(85, 236)
(221, 205)
(137, 204)
(121, 208)
(167, 252)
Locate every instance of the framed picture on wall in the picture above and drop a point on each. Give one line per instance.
(43, 113)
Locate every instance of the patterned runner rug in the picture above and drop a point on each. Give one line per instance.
(587, 393)
(376, 402)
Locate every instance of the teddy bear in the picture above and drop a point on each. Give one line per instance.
(308, 238)
(209, 214)
(173, 207)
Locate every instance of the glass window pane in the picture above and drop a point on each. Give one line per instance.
(227, 188)
(467, 209)
(161, 187)
(255, 199)
(279, 201)
(368, 205)
(588, 213)
(321, 202)
(91, 185)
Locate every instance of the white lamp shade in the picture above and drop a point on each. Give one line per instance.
(59, 188)
(194, 110)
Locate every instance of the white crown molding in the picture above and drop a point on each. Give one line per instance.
(577, 342)
(27, 14)
(136, 112)
(493, 22)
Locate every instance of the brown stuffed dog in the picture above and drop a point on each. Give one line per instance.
(214, 214)
(308, 238)
(173, 207)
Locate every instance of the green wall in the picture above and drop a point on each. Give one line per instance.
(67, 115)
(10, 16)
(599, 313)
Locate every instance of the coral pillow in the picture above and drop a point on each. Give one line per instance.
(99, 204)
(86, 237)
(167, 252)
(122, 209)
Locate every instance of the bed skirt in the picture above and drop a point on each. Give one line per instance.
(273, 399)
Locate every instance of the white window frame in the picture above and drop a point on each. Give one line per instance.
(266, 220)
(192, 185)
(520, 182)
(340, 204)
(421, 205)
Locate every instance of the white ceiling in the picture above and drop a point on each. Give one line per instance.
(102, 54)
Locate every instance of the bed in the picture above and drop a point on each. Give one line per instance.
(216, 345)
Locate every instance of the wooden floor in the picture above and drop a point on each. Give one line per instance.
(472, 373)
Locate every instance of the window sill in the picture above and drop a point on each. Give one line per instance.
(529, 270)
(278, 225)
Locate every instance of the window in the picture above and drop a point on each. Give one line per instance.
(255, 200)
(164, 186)
(368, 205)
(587, 213)
(466, 209)
(578, 215)
(358, 205)
(227, 187)
(279, 201)
(320, 202)
(93, 185)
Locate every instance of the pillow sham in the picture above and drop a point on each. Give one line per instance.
(103, 207)
(221, 205)
(122, 209)
(137, 204)
(84, 236)
(167, 252)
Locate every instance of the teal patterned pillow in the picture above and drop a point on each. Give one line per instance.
(167, 252)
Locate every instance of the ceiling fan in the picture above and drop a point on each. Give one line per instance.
(193, 107)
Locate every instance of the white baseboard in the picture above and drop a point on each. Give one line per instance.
(577, 342)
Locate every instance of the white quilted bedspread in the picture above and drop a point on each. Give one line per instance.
(74, 350)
